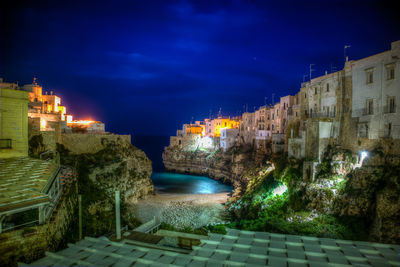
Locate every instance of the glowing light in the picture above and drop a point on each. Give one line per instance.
(205, 142)
(363, 155)
(83, 122)
(43, 124)
(280, 190)
(69, 118)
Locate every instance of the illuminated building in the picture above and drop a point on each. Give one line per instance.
(13, 121)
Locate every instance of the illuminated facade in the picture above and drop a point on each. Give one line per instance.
(221, 123)
(13, 121)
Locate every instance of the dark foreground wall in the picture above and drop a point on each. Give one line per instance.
(30, 243)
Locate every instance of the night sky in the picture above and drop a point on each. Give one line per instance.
(146, 67)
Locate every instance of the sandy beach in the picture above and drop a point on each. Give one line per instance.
(182, 210)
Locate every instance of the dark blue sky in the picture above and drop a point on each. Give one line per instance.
(146, 67)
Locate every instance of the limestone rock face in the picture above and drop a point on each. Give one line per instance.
(372, 192)
(123, 168)
(118, 166)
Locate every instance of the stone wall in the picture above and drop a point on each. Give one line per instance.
(30, 243)
(80, 143)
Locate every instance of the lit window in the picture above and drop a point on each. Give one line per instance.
(370, 107)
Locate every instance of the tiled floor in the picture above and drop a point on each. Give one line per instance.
(236, 248)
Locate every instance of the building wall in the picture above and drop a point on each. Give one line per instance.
(228, 138)
(247, 128)
(296, 147)
(375, 125)
(14, 122)
(79, 143)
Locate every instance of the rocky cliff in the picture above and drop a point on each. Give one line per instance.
(229, 167)
(344, 199)
(118, 165)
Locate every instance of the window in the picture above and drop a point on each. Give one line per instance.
(389, 129)
(370, 76)
(390, 71)
(391, 108)
(296, 113)
(272, 127)
(272, 115)
(327, 87)
(305, 95)
(327, 111)
(315, 90)
(5, 143)
(370, 107)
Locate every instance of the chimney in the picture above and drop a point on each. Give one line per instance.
(347, 59)
(51, 92)
(326, 72)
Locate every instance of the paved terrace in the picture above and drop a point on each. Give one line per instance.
(236, 248)
(23, 182)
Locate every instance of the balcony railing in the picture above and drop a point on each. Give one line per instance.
(322, 115)
(366, 112)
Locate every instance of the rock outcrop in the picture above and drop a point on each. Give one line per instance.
(117, 166)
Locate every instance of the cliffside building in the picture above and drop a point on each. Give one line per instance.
(13, 121)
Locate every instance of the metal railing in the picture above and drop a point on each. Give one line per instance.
(322, 115)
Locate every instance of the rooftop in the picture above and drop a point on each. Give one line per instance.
(24, 182)
(236, 248)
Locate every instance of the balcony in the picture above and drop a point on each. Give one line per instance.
(366, 111)
(322, 115)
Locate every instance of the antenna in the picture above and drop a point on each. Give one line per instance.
(304, 77)
(220, 113)
(311, 70)
(344, 52)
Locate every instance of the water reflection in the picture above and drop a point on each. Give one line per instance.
(165, 182)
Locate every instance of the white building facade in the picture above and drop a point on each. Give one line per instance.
(376, 94)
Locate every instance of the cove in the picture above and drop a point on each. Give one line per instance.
(175, 183)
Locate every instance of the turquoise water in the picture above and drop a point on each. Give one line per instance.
(165, 182)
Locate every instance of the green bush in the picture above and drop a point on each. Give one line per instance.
(218, 229)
